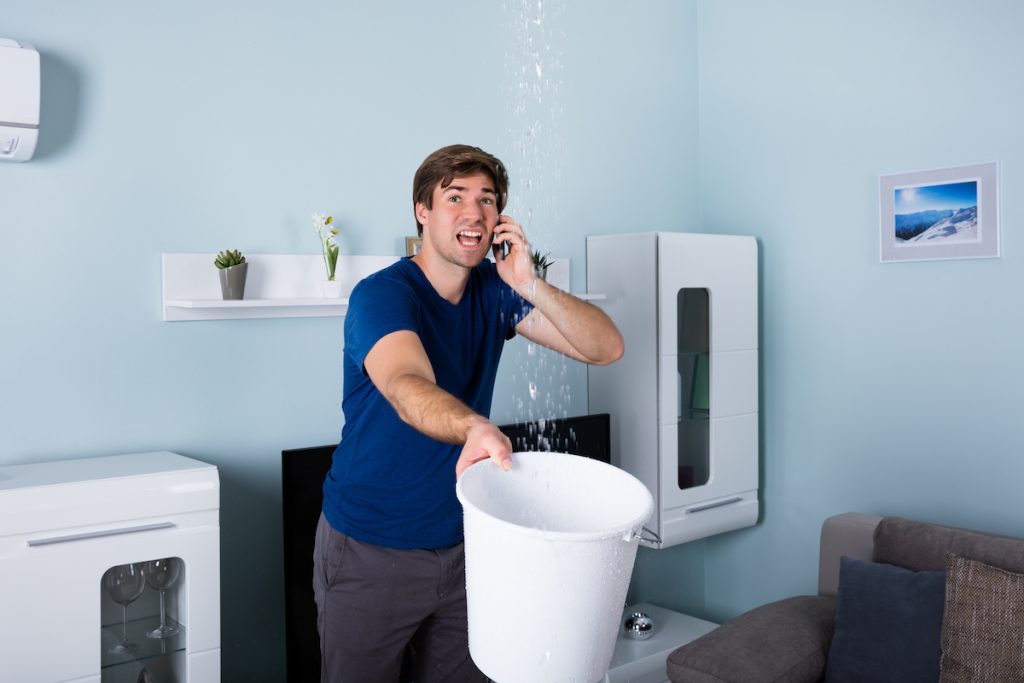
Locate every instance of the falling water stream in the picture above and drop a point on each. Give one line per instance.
(534, 76)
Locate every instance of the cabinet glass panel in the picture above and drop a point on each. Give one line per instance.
(694, 368)
(142, 632)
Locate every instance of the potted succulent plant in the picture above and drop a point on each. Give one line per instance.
(232, 268)
(541, 263)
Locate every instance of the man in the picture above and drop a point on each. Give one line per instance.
(422, 342)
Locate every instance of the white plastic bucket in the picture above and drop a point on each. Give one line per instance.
(550, 546)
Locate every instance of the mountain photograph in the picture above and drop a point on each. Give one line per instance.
(937, 213)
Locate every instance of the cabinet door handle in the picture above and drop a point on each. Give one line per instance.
(716, 504)
(99, 534)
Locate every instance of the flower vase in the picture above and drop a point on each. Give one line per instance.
(332, 289)
(232, 281)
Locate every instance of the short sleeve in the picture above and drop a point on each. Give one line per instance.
(378, 306)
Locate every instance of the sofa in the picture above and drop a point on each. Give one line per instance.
(898, 600)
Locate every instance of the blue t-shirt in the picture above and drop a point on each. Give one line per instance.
(389, 484)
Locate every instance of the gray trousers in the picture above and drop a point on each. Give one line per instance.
(376, 606)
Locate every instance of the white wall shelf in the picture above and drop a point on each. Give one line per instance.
(256, 303)
(279, 286)
(219, 309)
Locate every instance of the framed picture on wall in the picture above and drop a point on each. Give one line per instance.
(945, 213)
(413, 245)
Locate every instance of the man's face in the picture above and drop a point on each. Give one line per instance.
(461, 223)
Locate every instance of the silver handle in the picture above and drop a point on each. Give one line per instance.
(12, 124)
(716, 504)
(32, 542)
(655, 538)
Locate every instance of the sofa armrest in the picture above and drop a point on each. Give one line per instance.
(781, 642)
(851, 534)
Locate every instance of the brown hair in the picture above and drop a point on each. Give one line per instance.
(456, 161)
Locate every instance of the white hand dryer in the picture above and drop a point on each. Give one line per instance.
(19, 100)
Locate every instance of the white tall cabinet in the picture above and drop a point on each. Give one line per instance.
(64, 524)
(683, 399)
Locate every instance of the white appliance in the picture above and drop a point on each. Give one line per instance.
(19, 100)
(683, 399)
(64, 524)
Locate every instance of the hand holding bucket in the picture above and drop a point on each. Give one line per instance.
(484, 440)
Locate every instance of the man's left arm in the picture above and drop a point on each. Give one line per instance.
(559, 321)
(571, 326)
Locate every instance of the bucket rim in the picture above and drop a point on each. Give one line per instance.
(633, 527)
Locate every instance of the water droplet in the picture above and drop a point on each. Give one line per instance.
(533, 391)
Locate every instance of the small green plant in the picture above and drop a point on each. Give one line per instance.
(541, 261)
(228, 259)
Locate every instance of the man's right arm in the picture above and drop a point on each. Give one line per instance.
(400, 369)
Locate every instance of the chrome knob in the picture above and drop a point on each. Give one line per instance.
(638, 626)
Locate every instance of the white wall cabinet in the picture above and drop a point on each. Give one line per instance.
(684, 398)
(64, 524)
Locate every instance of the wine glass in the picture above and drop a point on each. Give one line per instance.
(161, 575)
(124, 584)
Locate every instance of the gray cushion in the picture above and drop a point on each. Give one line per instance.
(784, 641)
(922, 547)
(983, 624)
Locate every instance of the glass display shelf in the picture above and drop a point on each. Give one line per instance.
(145, 647)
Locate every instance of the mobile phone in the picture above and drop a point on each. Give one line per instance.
(500, 250)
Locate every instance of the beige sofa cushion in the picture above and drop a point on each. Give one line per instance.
(983, 624)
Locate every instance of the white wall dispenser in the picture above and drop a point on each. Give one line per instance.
(684, 398)
(19, 100)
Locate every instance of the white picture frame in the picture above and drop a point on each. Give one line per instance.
(938, 214)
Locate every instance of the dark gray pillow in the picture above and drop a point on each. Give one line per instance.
(983, 626)
(888, 624)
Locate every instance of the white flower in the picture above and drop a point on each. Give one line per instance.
(326, 231)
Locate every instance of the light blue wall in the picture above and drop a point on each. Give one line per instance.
(887, 389)
(198, 126)
(192, 126)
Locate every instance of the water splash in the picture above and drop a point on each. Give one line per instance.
(534, 69)
(534, 83)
